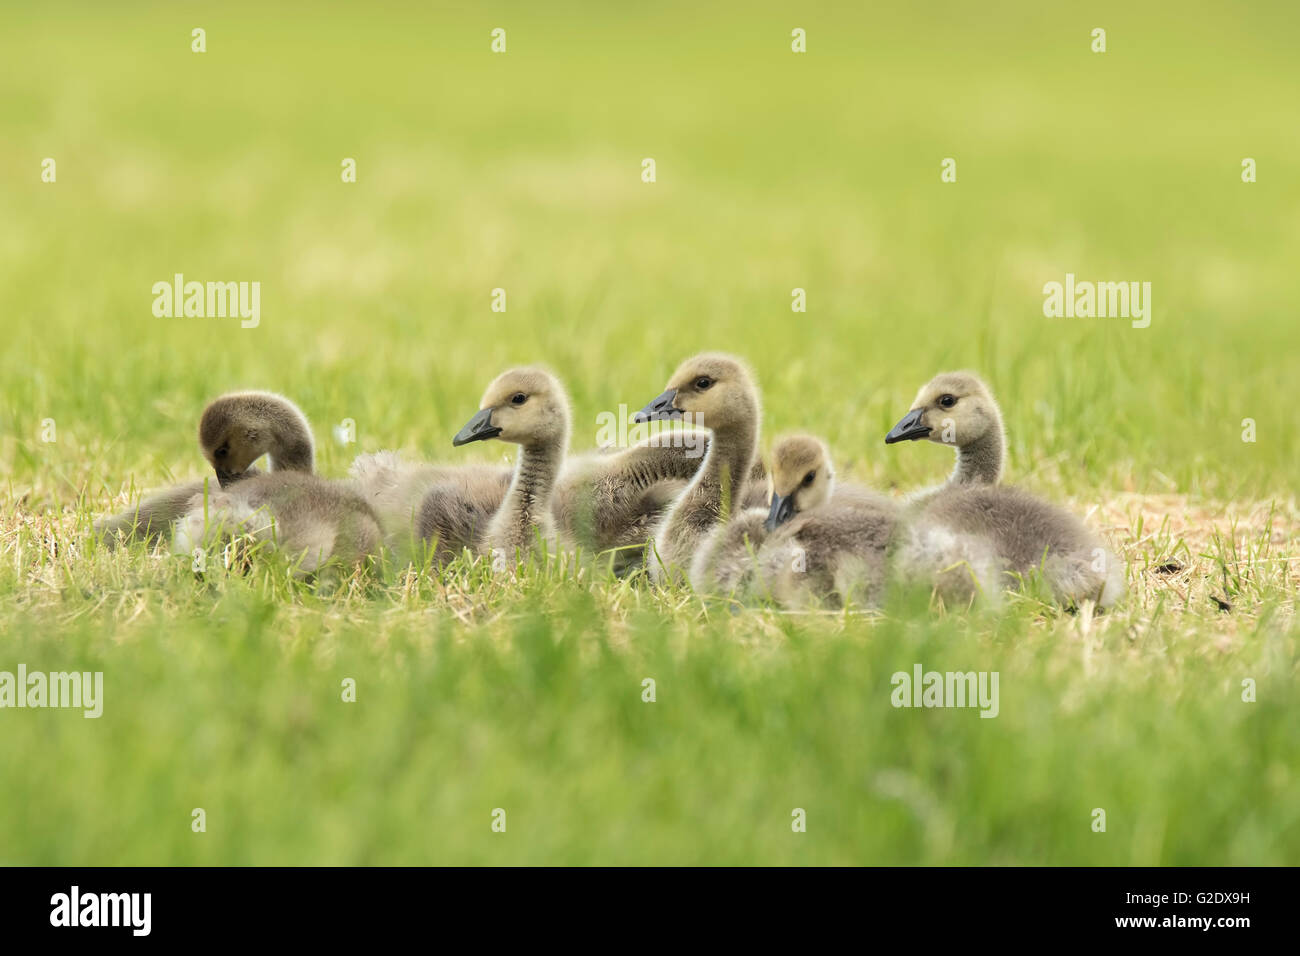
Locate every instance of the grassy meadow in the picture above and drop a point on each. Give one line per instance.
(774, 171)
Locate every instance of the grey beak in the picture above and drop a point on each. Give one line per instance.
(909, 429)
(661, 408)
(477, 428)
(782, 511)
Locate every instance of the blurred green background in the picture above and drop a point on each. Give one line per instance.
(522, 171)
(775, 171)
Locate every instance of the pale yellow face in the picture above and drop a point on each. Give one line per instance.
(954, 408)
(802, 477)
(526, 406)
(715, 389)
(801, 466)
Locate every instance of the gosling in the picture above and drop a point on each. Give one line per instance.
(802, 479)
(719, 391)
(235, 430)
(827, 545)
(1000, 535)
(528, 407)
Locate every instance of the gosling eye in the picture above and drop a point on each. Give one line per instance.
(947, 401)
(221, 452)
(808, 478)
(518, 398)
(703, 382)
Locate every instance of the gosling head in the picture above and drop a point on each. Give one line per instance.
(239, 428)
(526, 406)
(953, 408)
(715, 389)
(802, 478)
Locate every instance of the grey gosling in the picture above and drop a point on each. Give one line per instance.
(316, 523)
(528, 407)
(719, 391)
(802, 479)
(998, 533)
(827, 544)
(235, 430)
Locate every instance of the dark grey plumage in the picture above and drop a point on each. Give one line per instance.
(819, 543)
(151, 520)
(420, 505)
(834, 555)
(1004, 534)
(610, 502)
(455, 512)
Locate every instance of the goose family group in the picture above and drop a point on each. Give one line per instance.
(704, 511)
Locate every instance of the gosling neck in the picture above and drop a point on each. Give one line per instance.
(980, 462)
(720, 482)
(296, 454)
(291, 446)
(528, 501)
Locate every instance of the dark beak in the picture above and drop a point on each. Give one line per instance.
(909, 429)
(477, 429)
(226, 477)
(782, 511)
(661, 408)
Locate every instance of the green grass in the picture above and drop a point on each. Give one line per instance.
(775, 171)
